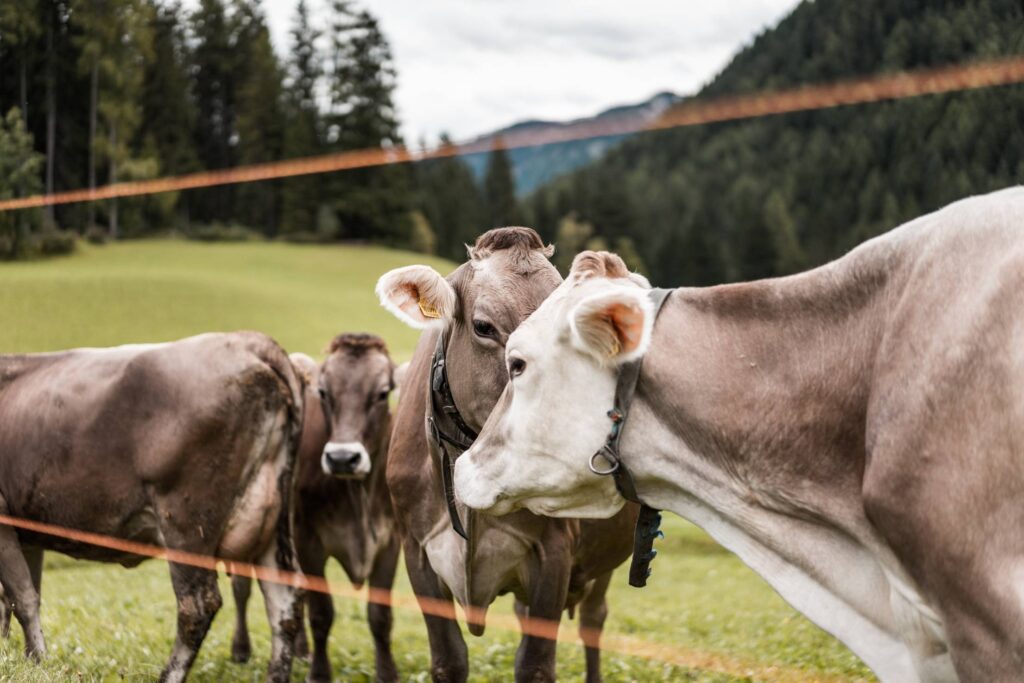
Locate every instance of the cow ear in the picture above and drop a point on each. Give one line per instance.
(613, 326)
(417, 295)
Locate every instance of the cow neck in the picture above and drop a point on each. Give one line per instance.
(648, 522)
(447, 430)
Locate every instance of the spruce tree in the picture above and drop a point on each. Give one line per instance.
(500, 189)
(451, 201)
(20, 167)
(167, 105)
(300, 196)
(213, 86)
(371, 203)
(260, 120)
(116, 42)
(20, 26)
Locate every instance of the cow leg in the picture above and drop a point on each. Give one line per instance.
(198, 601)
(282, 603)
(382, 578)
(241, 648)
(449, 659)
(5, 615)
(593, 611)
(549, 586)
(321, 613)
(16, 576)
(301, 647)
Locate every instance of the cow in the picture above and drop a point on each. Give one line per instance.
(342, 504)
(188, 445)
(549, 565)
(855, 433)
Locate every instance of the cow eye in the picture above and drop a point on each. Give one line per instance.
(383, 396)
(516, 366)
(323, 393)
(482, 328)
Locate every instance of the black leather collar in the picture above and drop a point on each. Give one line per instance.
(442, 409)
(648, 523)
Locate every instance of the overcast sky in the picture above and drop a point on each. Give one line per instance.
(471, 66)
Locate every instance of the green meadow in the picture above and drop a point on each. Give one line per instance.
(703, 616)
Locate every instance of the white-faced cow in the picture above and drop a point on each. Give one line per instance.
(188, 445)
(548, 564)
(342, 507)
(854, 433)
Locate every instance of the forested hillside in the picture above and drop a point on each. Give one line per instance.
(93, 93)
(771, 196)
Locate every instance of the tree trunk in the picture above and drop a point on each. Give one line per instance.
(94, 85)
(113, 179)
(51, 118)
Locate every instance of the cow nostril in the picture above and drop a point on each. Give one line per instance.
(352, 460)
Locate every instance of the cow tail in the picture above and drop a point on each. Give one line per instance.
(293, 388)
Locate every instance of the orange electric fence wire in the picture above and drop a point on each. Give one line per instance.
(541, 628)
(901, 85)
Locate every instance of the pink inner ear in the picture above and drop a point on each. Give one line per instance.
(628, 322)
(407, 297)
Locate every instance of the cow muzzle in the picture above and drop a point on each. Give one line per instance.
(345, 460)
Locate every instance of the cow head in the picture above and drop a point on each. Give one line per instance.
(477, 307)
(354, 383)
(552, 416)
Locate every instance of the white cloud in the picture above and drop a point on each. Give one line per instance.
(470, 66)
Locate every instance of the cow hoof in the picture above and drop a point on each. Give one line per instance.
(319, 671)
(240, 652)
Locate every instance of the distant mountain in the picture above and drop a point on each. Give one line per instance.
(535, 166)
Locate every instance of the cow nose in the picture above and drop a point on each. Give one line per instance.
(345, 459)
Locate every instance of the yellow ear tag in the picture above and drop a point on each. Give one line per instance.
(427, 310)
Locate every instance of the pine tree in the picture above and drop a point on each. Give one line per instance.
(362, 81)
(500, 189)
(213, 87)
(372, 203)
(300, 196)
(116, 43)
(167, 105)
(19, 27)
(259, 122)
(451, 200)
(789, 257)
(20, 167)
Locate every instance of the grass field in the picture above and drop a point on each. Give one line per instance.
(712, 618)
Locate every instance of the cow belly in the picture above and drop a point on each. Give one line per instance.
(252, 524)
(877, 641)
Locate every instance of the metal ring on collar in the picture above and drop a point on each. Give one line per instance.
(613, 461)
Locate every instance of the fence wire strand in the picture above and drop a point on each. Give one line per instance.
(901, 85)
(445, 609)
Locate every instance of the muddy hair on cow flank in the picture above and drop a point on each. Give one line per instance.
(522, 241)
(357, 343)
(588, 264)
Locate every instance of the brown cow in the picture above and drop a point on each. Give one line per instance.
(548, 564)
(188, 445)
(348, 519)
